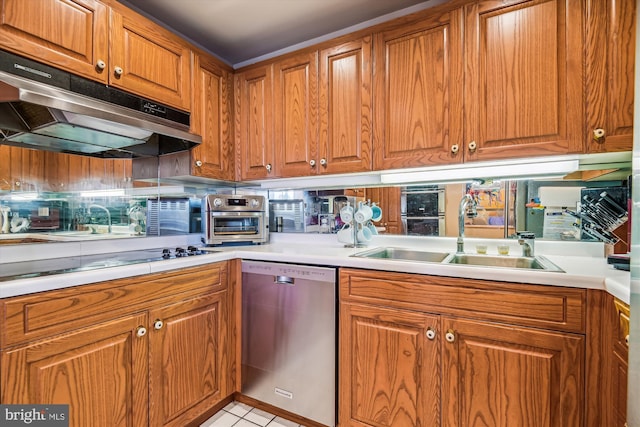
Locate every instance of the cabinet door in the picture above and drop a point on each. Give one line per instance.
(211, 119)
(254, 123)
(388, 198)
(523, 79)
(69, 34)
(189, 359)
(345, 108)
(148, 60)
(296, 115)
(610, 38)
(100, 371)
(510, 376)
(389, 369)
(418, 93)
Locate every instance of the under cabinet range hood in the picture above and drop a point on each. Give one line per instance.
(45, 108)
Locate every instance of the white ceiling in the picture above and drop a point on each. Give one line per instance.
(243, 31)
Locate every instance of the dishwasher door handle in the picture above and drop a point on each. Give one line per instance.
(284, 280)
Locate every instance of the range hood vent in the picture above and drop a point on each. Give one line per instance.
(48, 109)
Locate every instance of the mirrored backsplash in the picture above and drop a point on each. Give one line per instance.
(103, 199)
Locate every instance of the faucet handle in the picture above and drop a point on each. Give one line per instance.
(526, 235)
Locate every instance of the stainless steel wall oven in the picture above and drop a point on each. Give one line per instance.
(422, 210)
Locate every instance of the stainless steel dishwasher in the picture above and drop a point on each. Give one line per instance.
(289, 338)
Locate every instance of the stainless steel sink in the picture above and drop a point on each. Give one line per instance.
(403, 254)
(400, 254)
(530, 263)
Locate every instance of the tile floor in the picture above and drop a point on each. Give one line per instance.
(238, 414)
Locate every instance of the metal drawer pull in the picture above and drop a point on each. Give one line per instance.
(431, 334)
(450, 336)
(284, 280)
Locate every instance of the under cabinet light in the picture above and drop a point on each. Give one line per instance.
(514, 169)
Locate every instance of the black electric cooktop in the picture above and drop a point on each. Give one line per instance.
(47, 267)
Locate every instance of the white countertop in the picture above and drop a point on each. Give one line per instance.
(583, 263)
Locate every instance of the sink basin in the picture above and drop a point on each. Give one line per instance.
(530, 263)
(403, 254)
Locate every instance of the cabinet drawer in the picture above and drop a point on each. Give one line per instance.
(516, 303)
(621, 329)
(36, 316)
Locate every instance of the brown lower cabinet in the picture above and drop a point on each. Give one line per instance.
(146, 351)
(436, 351)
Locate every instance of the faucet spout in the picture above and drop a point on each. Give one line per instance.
(527, 241)
(467, 208)
(104, 209)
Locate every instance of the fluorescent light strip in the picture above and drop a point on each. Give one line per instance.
(531, 168)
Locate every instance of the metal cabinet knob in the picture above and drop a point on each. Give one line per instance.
(626, 340)
(269, 167)
(323, 162)
(450, 336)
(101, 65)
(598, 134)
(198, 163)
(118, 71)
(141, 331)
(431, 334)
(454, 148)
(312, 163)
(158, 324)
(473, 146)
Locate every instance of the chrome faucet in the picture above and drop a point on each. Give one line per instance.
(467, 208)
(104, 209)
(527, 239)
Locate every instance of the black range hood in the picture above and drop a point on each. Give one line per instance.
(45, 108)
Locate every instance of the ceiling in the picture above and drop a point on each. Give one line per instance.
(244, 31)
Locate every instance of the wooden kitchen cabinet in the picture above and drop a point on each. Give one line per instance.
(619, 353)
(211, 118)
(454, 352)
(100, 371)
(488, 367)
(102, 41)
(295, 115)
(254, 123)
(69, 34)
(610, 49)
(186, 375)
(154, 350)
(417, 90)
(148, 60)
(389, 370)
(523, 79)
(345, 108)
(389, 199)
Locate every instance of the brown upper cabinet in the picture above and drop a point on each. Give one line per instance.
(521, 84)
(211, 118)
(70, 34)
(254, 123)
(345, 108)
(306, 114)
(418, 92)
(295, 115)
(523, 79)
(610, 47)
(112, 45)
